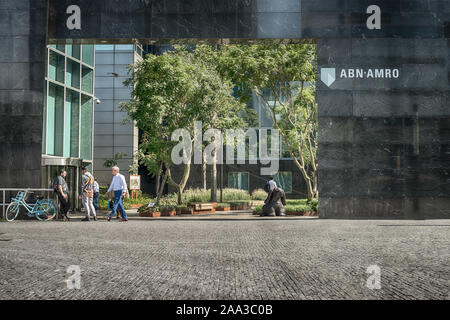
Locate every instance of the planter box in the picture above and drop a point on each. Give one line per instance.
(304, 214)
(240, 206)
(150, 214)
(223, 208)
(169, 213)
(205, 211)
(135, 206)
(201, 206)
(185, 211)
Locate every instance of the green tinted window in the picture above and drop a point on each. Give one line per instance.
(238, 180)
(88, 54)
(44, 125)
(56, 66)
(87, 82)
(86, 128)
(74, 50)
(284, 181)
(71, 129)
(73, 74)
(55, 122)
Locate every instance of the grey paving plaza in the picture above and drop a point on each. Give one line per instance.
(226, 257)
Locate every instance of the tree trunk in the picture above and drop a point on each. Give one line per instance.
(214, 178)
(204, 171)
(161, 188)
(158, 180)
(180, 186)
(180, 195)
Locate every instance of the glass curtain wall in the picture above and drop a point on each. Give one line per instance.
(68, 112)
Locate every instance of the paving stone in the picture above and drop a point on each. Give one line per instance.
(241, 257)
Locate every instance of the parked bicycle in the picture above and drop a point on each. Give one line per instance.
(43, 209)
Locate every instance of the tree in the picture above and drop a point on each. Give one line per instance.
(165, 98)
(282, 77)
(109, 163)
(171, 92)
(223, 109)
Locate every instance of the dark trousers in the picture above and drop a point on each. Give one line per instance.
(64, 204)
(96, 196)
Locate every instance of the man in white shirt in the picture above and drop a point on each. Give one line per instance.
(119, 186)
(272, 183)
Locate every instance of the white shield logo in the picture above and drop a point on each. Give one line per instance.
(328, 76)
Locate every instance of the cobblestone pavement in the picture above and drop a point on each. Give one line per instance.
(226, 257)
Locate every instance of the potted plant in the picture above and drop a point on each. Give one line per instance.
(223, 207)
(149, 211)
(168, 211)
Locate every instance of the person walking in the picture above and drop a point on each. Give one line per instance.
(87, 194)
(96, 194)
(61, 189)
(119, 186)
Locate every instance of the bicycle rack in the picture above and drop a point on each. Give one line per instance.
(3, 191)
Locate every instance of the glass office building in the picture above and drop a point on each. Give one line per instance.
(114, 136)
(68, 114)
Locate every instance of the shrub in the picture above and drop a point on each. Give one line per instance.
(298, 208)
(223, 205)
(295, 205)
(259, 194)
(196, 195)
(235, 195)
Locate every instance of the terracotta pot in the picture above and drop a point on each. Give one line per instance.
(150, 214)
(169, 213)
(186, 211)
(223, 208)
(205, 211)
(294, 213)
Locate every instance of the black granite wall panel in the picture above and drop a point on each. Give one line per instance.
(384, 143)
(22, 70)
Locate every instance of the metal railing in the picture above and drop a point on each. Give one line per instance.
(9, 191)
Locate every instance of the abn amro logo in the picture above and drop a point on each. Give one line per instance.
(328, 76)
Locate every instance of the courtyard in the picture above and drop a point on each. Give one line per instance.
(232, 256)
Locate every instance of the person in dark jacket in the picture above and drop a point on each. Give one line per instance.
(61, 189)
(274, 204)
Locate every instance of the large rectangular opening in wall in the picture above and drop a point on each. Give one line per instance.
(265, 90)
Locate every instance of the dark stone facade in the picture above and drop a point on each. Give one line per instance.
(384, 143)
(22, 71)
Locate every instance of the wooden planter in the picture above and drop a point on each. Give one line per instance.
(150, 214)
(169, 213)
(223, 208)
(185, 211)
(136, 206)
(303, 214)
(205, 211)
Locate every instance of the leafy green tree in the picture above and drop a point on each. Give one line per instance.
(171, 92)
(109, 163)
(282, 76)
(224, 111)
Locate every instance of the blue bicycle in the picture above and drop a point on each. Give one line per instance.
(43, 209)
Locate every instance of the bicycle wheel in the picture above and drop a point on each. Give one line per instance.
(46, 211)
(12, 211)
